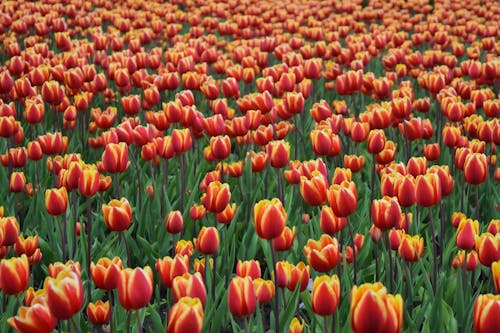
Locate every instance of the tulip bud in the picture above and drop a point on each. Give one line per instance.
(14, 275)
(56, 201)
(385, 212)
(264, 290)
(106, 273)
(217, 197)
(325, 296)
(343, 198)
(135, 288)
(174, 222)
(269, 218)
(248, 268)
(279, 153)
(65, 294)
(241, 297)
(186, 316)
(466, 234)
(99, 312)
(207, 241)
(117, 214)
(485, 316)
(115, 157)
(169, 268)
(285, 240)
(370, 301)
(190, 285)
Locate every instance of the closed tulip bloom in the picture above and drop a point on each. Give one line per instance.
(36, 318)
(428, 190)
(285, 240)
(411, 247)
(115, 157)
(374, 310)
(405, 190)
(488, 248)
(241, 297)
(27, 245)
(248, 268)
(207, 241)
(466, 234)
(296, 326)
(56, 200)
(279, 153)
(289, 275)
(495, 272)
(386, 213)
(323, 255)
(416, 166)
(181, 140)
(186, 316)
(88, 182)
(9, 227)
(174, 222)
(106, 273)
(343, 198)
(99, 312)
(217, 197)
(14, 275)
(135, 287)
(117, 214)
(55, 268)
(445, 178)
(329, 223)
(65, 295)
(189, 285)
(220, 146)
(325, 295)
(169, 268)
(17, 182)
(486, 316)
(432, 151)
(376, 141)
(494, 226)
(264, 290)
(314, 190)
(325, 143)
(269, 218)
(475, 168)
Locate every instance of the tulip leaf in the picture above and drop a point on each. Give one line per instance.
(156, 319)
(291, 307)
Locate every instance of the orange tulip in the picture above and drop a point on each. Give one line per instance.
(264, 290)
(329, 223)
(269, 218)
(411, 247)
(428, 190)
(135, 287)
(65, 294)
(325, 296)
(14, 275)
(313, 190)
(241, 297)
(207, 241)
(186, 316)
(285, 240)
(115, 157)
(376, 141)
(488, 248)
(472, 260)
(343, 198)
(220, 147)
(99, 312)
(27, 245)
(217, 197)
(475, 168)
(323, 255)
(289, 275)
(354, 163)
(169, 268)
(88, 182)
(190, 285)
(35, 318)
(106, 273)
(279, 153)
(117, 214)
(174, 222)
(56, 200)
(466, 234)
(486, 317)
(9, 227)
(386, 213)
(17, 182)
(184, 247)
(296, 326)
(373, 310)
(248, 268)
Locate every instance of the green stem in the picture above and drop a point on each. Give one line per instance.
(89, 243)
(111, 306)
(354, 261)
(434, 254)
(276, 300)
(139, 323)
(127, 248)
(73, 321)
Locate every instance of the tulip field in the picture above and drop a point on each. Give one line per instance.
(249, 166)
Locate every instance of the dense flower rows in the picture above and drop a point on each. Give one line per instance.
(221, 166)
